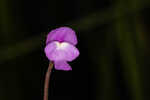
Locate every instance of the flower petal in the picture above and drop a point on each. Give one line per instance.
(62, 34)
(64, 51)
(62, 65)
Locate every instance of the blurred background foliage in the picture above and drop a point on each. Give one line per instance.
(113, 40)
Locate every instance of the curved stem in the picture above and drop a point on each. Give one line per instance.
(47, 80)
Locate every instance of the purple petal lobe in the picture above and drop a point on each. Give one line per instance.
(62, 34)
(62, 65)
(63, 51)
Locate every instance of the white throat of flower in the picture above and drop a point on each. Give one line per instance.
(62, 45)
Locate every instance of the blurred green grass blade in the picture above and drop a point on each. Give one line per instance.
(125, 42)
(107, 90)
(19, 49)
(6, 20)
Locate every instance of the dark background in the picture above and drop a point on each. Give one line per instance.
(113, 39)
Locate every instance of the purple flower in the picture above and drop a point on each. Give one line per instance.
(60, 47)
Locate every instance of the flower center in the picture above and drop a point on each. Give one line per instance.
(61, 45)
